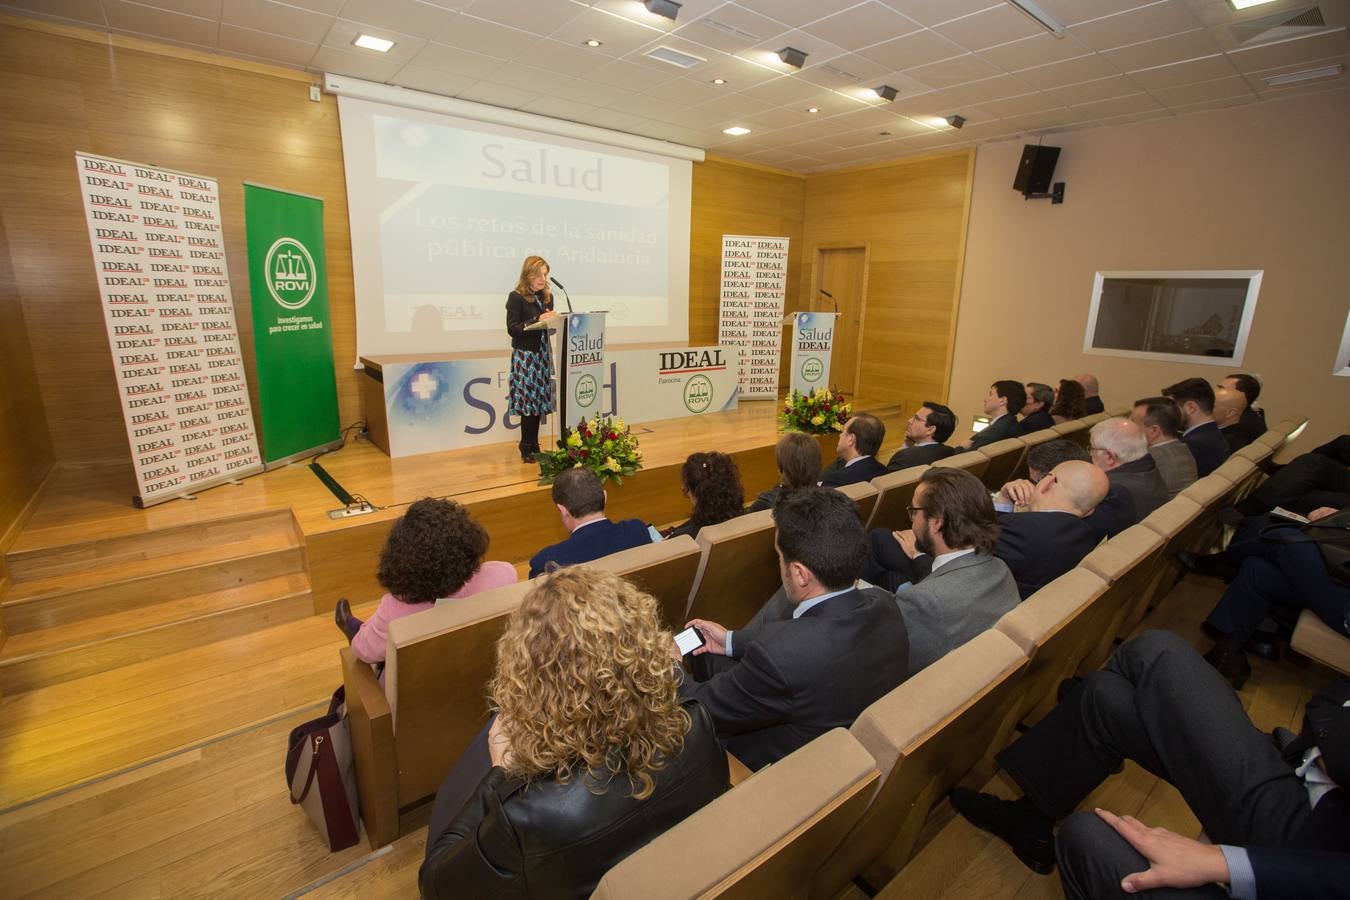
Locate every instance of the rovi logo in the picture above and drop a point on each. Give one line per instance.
(289, 272)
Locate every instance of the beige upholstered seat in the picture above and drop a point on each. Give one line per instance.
(738, 571)
(1075, 430)
(1244, 475)
(1004, 458)
(1313, 639)
(973, 461)
(1056, 627)
(1032, 440)
(1093, 419)
(895, 491)
(1274, 438)
(1256, 452)
(766, 837)
(1130, 564)
(925, 735)
(664, 569)
(864, 495)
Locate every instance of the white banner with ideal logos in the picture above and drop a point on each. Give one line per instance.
(160, 261)
(585, 360)
(754, 283)
(812, 336)
(449, 404)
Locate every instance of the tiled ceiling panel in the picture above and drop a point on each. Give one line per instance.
(1097, 62)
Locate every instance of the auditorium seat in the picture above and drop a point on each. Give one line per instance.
(406, 736)
(1075, 430)
(1032, 440)
(1004, 458)
(1056, 628)
(895, 491)
(973, 461)
(1275, 437)
(1256, 451)
(1177, 521)
(1093, 419)
(863, 495)
(738, 570)
(925, 736)
(1244, 475)
(766, 837)
(664, 569)
(1129, 563)
(1313, 639)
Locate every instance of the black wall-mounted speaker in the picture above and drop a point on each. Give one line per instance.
(1036, 169)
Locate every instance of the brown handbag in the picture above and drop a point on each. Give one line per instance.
(322, 775)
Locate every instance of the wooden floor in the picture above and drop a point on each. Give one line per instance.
(165, 779)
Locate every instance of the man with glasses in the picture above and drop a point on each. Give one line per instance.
(926, 434)
(967, 588)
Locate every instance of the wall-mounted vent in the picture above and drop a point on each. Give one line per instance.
(835, 70)
(675, 57)
(1288, 24)
(729, 29)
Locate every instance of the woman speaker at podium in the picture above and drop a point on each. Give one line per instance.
(529, 391)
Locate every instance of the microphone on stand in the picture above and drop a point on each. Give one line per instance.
(822, 290)
(564, 290)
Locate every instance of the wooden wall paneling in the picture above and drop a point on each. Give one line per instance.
(911, 215)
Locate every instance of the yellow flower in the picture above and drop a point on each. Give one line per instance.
(838, 426)
(611, 464)
(574, 440)
(619, 425)
(817, 420)
(787, 403)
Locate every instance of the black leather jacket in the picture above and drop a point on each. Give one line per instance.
(552, 840)
(521, 311)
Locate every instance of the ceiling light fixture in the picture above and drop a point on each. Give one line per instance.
(792, 56)
(736, 130)
(668, 9)
(592, 42)
(1305, 75)
(885, 92)
(813, 109)
(1046, 21)
(370, 42)
(719, 81)
(1248, 4)
(956, 121)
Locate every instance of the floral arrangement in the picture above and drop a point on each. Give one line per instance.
(819, 412)
(605, 446)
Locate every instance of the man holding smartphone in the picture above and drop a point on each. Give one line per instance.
(817, 654)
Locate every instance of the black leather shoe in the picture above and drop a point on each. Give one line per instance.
(342, 617)
(1264, 644)
(1016, 822)
(1231, 663)
(1208, 564)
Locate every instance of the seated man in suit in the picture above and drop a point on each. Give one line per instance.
(1113, 515)
(926, 434)
(1001, 404)
(1309, 481)
(1090, 388)
(1160, 420)
(1229, 407)
(1279, 820)
(1195, 398)
(1119, 448)
(1036, 413)
(968, 589)
(859, 443)
(1038, 545)
(1253, 421)
(581, 503)
(817, 654)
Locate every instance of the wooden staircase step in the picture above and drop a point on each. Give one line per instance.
(41, 562)
(130, 584)
(40, 658)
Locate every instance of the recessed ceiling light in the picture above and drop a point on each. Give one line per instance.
(934, 121)
(736, 130)
(883, 134)
(813, 109)
(1305, 75)
(370, 42)
(593, 43)
(1247, 4)
(719, 81)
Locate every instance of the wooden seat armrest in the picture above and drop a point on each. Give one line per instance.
(372, 729)
(739, 771)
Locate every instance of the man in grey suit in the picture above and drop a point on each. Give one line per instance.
(968, 589)
(1160, 420)
(1119, 448)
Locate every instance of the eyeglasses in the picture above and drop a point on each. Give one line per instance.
(913, 509)
(915, 418)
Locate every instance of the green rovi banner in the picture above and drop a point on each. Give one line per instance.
(288, 282)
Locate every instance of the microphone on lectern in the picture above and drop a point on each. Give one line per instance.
(564, 290)
(823, 291)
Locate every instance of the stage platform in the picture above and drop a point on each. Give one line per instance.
(82, 504)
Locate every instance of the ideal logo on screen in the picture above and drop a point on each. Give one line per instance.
(289, 273)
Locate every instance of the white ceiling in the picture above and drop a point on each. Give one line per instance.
(1118, 61)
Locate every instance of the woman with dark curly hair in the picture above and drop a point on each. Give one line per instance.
(590, 756)
(436, 550)
(713, 482)
(1070, 401)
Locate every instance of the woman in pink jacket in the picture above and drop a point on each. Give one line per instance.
(436, 550)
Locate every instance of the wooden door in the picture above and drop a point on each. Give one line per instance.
(843, 273)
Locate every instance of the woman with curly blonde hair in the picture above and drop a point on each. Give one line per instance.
(591, 753)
